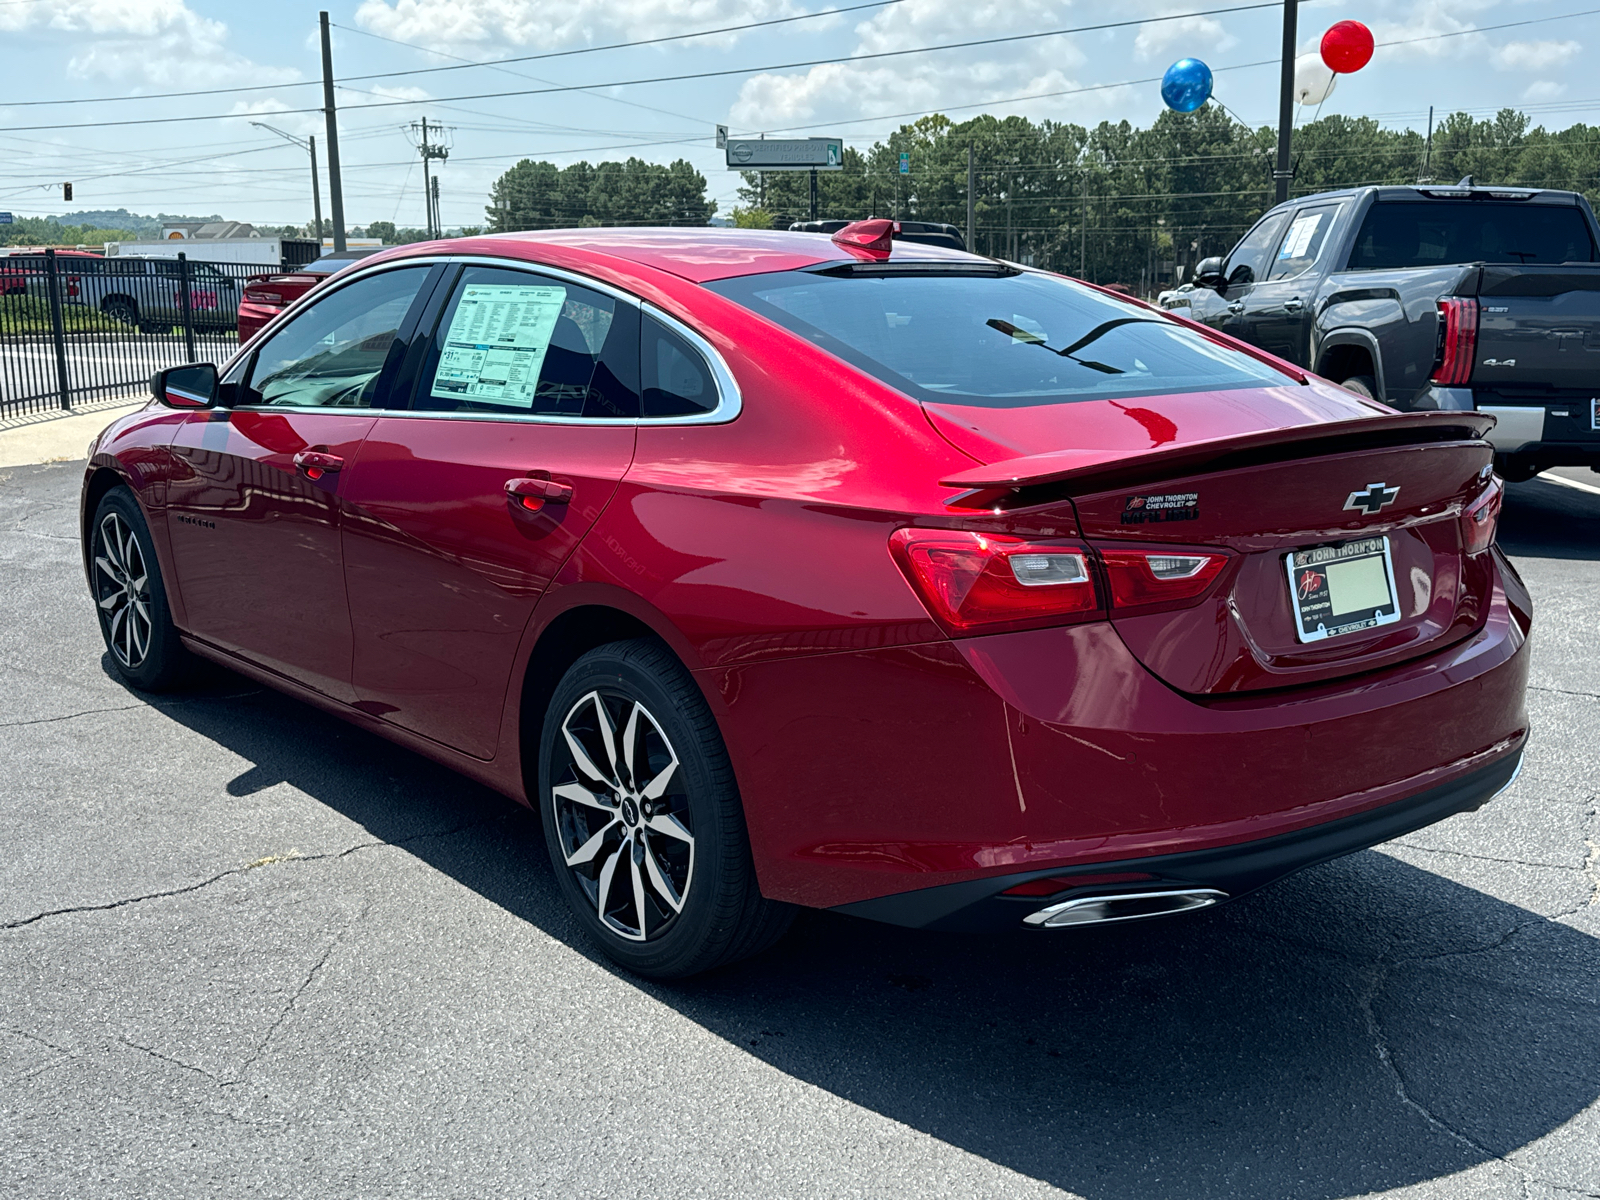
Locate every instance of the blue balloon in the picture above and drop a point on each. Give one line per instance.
(1186, 85)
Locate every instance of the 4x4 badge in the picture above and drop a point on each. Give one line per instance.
(1372, 498)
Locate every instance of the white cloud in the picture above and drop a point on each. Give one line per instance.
(1543, 90)
(1535, 56)
(1191, 35)
(492, 24)
(159, 43)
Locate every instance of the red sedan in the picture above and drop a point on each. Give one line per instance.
(775, 570)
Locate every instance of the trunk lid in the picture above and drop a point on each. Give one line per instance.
(1257, 498)
(1538, 326)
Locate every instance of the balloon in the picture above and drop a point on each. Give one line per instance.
(1347, 46)
(1186, 85)
(1313, 81)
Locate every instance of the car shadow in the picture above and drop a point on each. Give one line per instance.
(1547, 520)
(1361, 1026)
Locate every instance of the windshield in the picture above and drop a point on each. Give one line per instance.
(998, 341)
(1437, 233)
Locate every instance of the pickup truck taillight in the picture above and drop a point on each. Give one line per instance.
(1458, 341)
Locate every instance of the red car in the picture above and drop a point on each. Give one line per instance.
(779, 571)
(267, 295)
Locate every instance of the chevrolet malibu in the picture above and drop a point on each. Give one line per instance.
(779, 570)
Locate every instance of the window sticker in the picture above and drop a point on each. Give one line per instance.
(1300, 235)
(496, 343)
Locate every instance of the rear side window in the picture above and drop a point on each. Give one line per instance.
(999, 341)
(1302, 244)
(677, 381)
(1436, 233)
(515, 342)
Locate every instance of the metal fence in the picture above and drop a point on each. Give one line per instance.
(75, 328)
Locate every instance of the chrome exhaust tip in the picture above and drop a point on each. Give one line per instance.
(1126, 906)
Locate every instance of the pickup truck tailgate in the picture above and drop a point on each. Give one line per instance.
(1538, 326)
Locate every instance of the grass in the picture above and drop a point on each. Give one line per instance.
(31, 315)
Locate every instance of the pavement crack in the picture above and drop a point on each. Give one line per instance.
(1515, 862)
(158, 705)
(167, 1058)
(1564, 692)
(269, 860)
(288, 1008)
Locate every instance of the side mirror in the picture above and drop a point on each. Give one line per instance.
(191, 386)
(1208, 273)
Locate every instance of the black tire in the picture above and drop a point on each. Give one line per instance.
(1361, 385)
(131, 597)
(1515, 470)
(638, 830)
(120, 308)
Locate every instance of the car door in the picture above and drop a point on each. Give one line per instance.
(257, 499)
(1245, 267)
(1278, 309)
(465, 505)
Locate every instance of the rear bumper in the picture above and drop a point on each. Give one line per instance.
(979, 905)
(1561, 432)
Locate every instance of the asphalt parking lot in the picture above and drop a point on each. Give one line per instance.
(246, 949)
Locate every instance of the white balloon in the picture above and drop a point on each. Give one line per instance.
(1313, 79)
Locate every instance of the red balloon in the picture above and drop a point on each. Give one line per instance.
(1347, 47)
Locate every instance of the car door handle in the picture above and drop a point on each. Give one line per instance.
(534, 494)
(316, 463)
(1293, 304)
(1236, 307)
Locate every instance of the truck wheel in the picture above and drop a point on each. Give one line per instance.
(120, 308)
(1361, 385)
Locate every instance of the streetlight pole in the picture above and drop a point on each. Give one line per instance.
(335, 184)
(308, 144)
(1283, 173)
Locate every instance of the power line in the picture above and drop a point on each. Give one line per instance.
(692, 75)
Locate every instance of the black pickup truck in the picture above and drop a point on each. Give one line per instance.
(1427, 297)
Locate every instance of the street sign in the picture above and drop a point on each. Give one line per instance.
(722, 137)
(5, 218)
(775, 154)
(905, 162)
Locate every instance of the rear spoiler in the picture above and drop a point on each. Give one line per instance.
(1108, 467)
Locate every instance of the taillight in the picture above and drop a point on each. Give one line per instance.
(1458, 341)
(262, 296)
(1140, 577)
(1482, 515)
(986, 583)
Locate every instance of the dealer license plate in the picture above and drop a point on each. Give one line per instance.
(1342, 589)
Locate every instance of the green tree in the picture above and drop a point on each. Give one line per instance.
(540, 195)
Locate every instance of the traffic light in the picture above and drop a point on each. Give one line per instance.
(66, 191)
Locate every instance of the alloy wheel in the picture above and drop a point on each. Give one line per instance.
(122, 589)
(622, 815)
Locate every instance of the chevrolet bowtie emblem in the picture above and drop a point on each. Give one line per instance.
(1372, 498)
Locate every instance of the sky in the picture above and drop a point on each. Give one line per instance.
(80, 84)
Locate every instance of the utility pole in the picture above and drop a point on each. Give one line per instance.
(1427, 151)
(438, 221)
(430, 186)
(972, 198)
(1282, 174)
(335, 186)
(813, 193)
(1083, 230)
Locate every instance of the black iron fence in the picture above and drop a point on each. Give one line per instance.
(75, 328)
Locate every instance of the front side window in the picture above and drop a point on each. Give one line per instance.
(1252, 257)
(515, 342)
(1437, 233)
(996, 340)
(332, 355)
(1302, 244)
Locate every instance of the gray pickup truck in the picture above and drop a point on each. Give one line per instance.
(1428, 297)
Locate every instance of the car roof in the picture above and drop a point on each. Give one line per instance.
(702, 254)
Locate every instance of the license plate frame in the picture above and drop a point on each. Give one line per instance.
(1314, 589)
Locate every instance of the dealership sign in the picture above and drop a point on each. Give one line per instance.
(793, 154)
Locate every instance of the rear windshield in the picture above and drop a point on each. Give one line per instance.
(1438, 233)
(995, 341)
